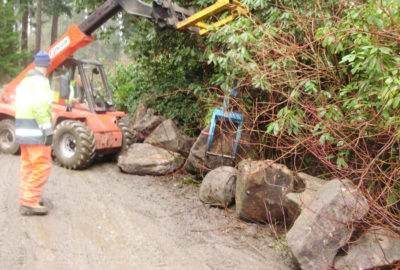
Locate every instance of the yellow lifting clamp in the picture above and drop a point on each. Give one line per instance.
(197, 20)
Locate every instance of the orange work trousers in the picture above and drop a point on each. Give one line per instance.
(36, 168)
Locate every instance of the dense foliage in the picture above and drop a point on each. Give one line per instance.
(167, 72)
(10, 58)
(323, 84)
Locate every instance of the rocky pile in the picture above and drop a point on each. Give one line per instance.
(321, 217)
(323, 214)
(160, 133)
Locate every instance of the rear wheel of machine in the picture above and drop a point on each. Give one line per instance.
(8, 143)
(74, 145)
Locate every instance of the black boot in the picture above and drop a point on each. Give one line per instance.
(30, 210)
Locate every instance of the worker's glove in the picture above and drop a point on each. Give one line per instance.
(48, 140)
(47, 129)
(47, 133)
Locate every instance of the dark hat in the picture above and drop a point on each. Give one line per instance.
(42, 59)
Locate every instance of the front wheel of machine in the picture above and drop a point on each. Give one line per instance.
(74, 145)
(128, 137)
(8, 143)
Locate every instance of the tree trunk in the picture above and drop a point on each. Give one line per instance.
(54, 24)
(38, 26)
(24, 31)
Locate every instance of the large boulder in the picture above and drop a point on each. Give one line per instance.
(199, 162)
(377, 247)
(218, 187)
(144, 121)
(147, 124)
(261, 187)
(141, 111)
(325, 225)
(146, 159)
(298, 201)
(168, 136)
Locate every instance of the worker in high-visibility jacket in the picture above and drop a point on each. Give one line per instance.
(34, 131)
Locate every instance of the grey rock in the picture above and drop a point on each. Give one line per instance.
(218, 186)
(144, 121)
(199, 162)
(147, 124)
(151, 111)
(146, 159)
(298, 201)
(141, 111)
(261, 187)
(223, 139)
(325, 226)
(195, 163)
(168, 136)
(224, 142)
(377, 247)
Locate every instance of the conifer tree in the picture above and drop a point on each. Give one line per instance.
(10, 56)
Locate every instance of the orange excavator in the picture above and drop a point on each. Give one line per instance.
(92, 126)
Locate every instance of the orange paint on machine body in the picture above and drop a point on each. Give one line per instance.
(104, 126)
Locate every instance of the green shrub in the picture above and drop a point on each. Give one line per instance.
(323, 83)
(167, 72)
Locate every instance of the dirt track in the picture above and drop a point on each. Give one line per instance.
(103, 219)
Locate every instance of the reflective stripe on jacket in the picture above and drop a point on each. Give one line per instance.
(32, 108)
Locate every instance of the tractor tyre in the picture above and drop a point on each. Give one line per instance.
(74, 146)
(128, 137)
(8, 142)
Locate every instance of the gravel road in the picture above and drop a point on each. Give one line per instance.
(104, 219)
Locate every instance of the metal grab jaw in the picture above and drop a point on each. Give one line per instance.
(197, 20)
(228, 117)
(166, 13)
